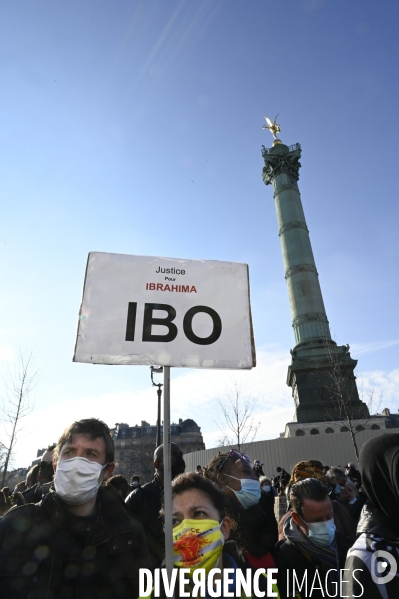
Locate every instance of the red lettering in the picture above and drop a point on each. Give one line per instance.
(178, 288)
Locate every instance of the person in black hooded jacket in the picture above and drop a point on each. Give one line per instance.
(145, 502)
(372, 561)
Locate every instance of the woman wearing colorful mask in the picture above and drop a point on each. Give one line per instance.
(199, 522)
(201, 529)
(250, 509)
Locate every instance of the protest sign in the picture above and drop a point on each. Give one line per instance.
(168, 312)
(165, 311)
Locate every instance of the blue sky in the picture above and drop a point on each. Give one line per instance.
(136, 127)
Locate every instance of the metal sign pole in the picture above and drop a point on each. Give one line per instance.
(167, 472)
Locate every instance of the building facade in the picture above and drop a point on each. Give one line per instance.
(135, 445)
(325, 427)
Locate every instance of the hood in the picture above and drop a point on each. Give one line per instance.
(379, 466)
(372, 521)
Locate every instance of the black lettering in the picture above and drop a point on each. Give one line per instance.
(131, 321)
(188, 329)
(149, 321)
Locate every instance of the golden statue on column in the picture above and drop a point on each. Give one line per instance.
(274, 128)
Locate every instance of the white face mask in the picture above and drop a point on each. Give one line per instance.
(322, 533)
(77, 480)
(250, 491)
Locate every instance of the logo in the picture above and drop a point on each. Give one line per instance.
(383, 567)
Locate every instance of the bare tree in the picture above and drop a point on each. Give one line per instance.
(237, 409)
(3, 451)
(17, 386)
(343, 396)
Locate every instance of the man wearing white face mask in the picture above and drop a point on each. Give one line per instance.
(311, 543)
(79, 541)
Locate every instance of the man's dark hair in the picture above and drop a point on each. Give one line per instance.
(219, 463)
(135, 477)
(190, 480)
(263, 480)
(91, 428)
(51, 447)
(335, 472)
(278, 469)
(32, 475)
(119, 482)
(199, 466)
(46, 471)
(309, 488)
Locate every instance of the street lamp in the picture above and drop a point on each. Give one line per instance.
(157, 370)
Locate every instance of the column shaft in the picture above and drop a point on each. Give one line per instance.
(309, 318)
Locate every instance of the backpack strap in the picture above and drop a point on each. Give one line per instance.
(22, 498)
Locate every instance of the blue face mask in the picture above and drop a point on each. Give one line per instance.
(338, 489)
(250, 491)
(322, 533)
(352, 501)
(266, 488)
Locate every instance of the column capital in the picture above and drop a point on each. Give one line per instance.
(281, 159)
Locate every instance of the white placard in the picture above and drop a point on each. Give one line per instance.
(165, 311)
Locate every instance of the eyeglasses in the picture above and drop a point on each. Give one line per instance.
(235, 454)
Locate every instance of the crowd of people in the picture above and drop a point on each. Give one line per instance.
(75, 529)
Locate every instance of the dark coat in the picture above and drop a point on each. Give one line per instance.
(145, 503)
(375, 534)
(255, 528)
(290, 559)
(33, 494)
(258, 470)
(378, 528)
(355, 509)
(41, 557)
(354, 476)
